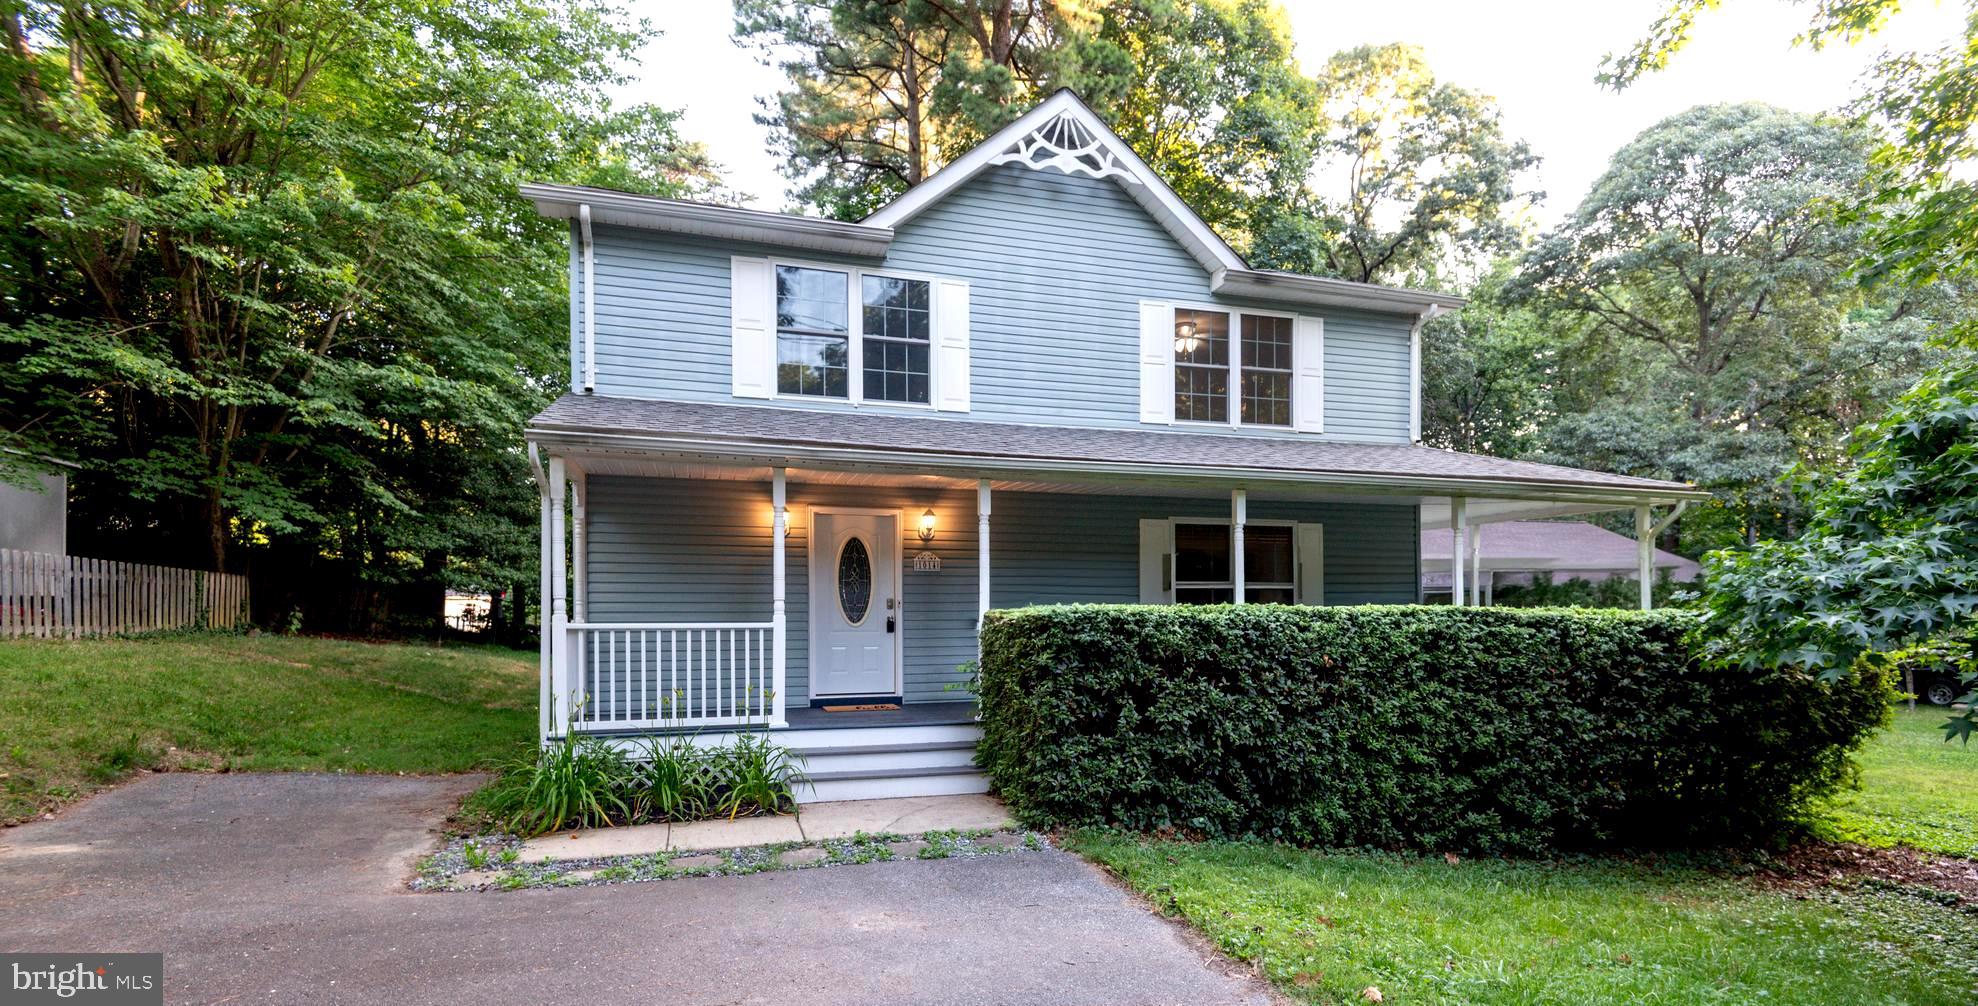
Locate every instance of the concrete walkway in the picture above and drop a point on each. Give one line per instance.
(290, 888)
(814, 822)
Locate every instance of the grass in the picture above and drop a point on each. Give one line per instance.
(76, 715)
(1916, 791)
(1422, 930)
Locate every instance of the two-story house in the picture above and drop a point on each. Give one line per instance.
(802, 457)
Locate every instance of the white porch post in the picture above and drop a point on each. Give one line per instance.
(556, 608)
(546, 645)
(579, 553)
(1645, 556)
(981, 554)
(778, 635)
(1459, 523)
(1239, 513)
(1476, 565)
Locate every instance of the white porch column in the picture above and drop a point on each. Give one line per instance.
(579, 552)
(556, 608)
(981, 553)
(1645, 556)
(546, 645)
(1476, 565)
(778, 635)
(1239, 513)
(1459, 523)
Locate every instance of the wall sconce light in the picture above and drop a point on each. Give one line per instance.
(927, 527)
(1184, 337)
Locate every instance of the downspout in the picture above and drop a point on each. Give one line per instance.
(1415, 372)
(590, 311)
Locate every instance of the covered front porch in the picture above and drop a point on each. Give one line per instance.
(709, 594)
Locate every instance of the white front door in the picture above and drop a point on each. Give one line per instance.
(854, 596)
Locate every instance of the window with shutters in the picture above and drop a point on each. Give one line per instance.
(1204, 574)
(882, 351)
(1233, 368)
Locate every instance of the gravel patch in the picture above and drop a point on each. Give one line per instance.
(494, 863)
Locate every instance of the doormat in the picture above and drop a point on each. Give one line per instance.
(872, 707)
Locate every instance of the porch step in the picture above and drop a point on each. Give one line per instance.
(875, 762)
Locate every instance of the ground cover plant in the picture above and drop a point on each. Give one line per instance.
(1433, 728)
(76, 715)
(1325, 927)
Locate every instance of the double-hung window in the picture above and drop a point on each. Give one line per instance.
(1204, 574)
(880, 353)
(1214, 381)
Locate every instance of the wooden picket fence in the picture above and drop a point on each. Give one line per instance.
(64, 595)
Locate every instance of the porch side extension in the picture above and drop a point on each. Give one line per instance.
(801, 458)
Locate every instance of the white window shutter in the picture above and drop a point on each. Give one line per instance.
(750, 302)
(1311, 563)
(1308, 382)
(1156, 362)
(951, 346)
(1156, 551)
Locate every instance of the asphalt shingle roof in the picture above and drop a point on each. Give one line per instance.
(764, 425)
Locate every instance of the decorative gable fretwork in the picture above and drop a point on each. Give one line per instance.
(1064, 143)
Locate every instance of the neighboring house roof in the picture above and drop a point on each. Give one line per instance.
(772, 433)
(1061, 134)
(1530, 545)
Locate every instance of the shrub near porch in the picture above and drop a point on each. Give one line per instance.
(1465, 729)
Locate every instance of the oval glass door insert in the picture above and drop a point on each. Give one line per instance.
(854, 581)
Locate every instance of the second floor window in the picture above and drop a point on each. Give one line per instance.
(813, 337)
(826, 350)
(1211, 385)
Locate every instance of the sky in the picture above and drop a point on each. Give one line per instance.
(1537, 57)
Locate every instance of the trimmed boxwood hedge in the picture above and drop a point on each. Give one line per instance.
(1438, 728)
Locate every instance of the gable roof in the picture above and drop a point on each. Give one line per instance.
(1062, 134)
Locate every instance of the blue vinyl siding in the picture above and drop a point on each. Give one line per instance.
(668, 550)
(1057, 267)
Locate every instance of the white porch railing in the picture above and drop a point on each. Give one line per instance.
(640, 675)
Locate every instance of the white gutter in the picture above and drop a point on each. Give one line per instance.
(590, 301)
(977, 466)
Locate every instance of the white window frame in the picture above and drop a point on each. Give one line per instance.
(1176, 585)
(1235, 421)
(855, 333)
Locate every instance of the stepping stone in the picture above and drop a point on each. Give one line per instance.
(906, 850)
(477, 878)
(698, 862)
(800, 857)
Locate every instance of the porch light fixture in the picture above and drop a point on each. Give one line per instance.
(927, 526)
(1184, 337)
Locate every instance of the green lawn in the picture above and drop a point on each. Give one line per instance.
(1916, 791)
(1422, 930)
(77, 715)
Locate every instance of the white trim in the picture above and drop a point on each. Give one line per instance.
(982, 511)
(788, 230)
(1239, 515)
(590, 300)
(1415, 371)
(1325, 291)
(811, 584)
(778, 590)
(855, 334)
(1160, 201)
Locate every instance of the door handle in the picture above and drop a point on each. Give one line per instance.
(889, 623)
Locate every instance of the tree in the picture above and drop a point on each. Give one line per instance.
(1722, 338)
(1421, 172)
(1891, 556)
(1489, 375)
(883, 91)
(272, 282)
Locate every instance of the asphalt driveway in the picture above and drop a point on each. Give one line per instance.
(290, 888)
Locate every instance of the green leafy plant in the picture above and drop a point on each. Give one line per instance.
(673, 778)
(476, 857)
(577, 781)
(1426, 727)
(756, 773)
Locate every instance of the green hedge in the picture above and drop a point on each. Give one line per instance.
(1479, 729)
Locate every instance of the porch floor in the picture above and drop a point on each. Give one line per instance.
(910, 714)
